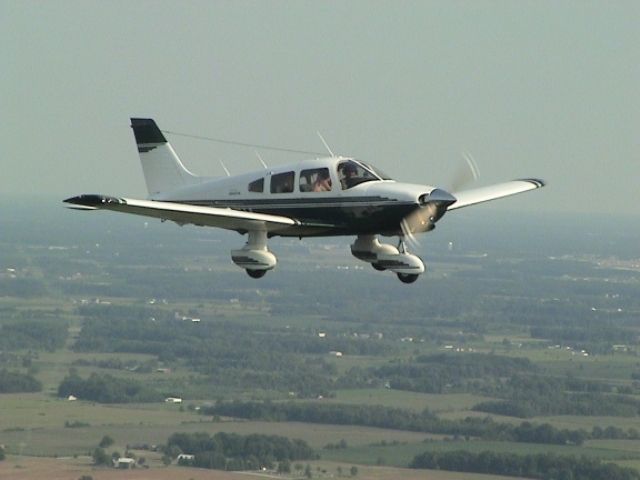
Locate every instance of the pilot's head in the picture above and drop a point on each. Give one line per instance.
(349, 170)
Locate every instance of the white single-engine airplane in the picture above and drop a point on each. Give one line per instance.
(319, 197)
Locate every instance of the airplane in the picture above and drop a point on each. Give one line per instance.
(330, 196)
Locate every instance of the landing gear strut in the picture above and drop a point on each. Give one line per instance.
(255, 257)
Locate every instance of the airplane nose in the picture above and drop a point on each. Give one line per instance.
(437, 202)
(439, 195)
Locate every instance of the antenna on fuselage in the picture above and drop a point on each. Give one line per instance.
(261, 160)
(326, 145)
(226, 170)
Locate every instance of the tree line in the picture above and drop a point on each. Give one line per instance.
(229, 353)
(545, 466)
(231, 451)
(523, 391)
(446, 372)
(396, 418)
(33, 334)
(532, 395)
(104, 388)
(16, 382)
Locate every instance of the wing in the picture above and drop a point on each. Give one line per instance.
(493, 192)
(182, 214)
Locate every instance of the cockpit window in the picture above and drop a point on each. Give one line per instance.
(282, 182)
(315, 180)
(257, 186)
(352, 173)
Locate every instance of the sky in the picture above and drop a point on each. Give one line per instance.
(545, 89)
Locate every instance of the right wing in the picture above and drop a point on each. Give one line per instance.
(493, 192)
(182, 214)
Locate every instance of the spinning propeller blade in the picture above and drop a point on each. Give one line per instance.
(467, 173)
(423, 219)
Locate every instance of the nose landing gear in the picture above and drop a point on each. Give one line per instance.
(383, 256)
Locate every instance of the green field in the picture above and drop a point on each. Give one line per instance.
(410, 400)
(401, 455)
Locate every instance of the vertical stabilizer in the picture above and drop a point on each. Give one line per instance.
(163, 170)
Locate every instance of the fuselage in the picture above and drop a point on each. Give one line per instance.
(328, 196)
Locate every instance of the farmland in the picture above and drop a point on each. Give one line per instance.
(161, 309)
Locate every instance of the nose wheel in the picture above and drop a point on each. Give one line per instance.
(406, 277)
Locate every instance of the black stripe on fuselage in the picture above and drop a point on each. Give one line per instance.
(286, 202)
(327, 216)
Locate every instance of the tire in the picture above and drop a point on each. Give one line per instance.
(256, 273)
(408, 277)
(378, 267)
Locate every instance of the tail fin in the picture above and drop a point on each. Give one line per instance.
(163, 170)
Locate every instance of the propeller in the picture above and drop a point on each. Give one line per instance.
(468, 172)
(434, 205)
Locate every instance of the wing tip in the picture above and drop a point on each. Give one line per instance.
(537, 182)
(91, 201)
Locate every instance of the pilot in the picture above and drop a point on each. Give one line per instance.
(349, 175)
(323, 182)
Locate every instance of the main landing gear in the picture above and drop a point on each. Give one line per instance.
(382, 256)
(255, 257)
(257, 260)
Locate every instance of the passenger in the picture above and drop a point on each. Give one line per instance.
(323, 182)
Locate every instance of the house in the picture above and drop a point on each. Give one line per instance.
(173, 400)
(72, 398)
(185, 457)
(335, 354)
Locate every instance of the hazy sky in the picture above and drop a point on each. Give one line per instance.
(532, 89)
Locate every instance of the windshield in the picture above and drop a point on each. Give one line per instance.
(352, 173)
(376, 171)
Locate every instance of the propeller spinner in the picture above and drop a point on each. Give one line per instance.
(434, 205)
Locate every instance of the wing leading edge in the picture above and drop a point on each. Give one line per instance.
(492, 192)
(180, 213)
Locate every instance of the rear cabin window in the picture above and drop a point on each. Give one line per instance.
(257, 186)
(315, 180)
(282, 182)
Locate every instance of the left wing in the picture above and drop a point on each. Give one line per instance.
(181, 213)
(493, 192)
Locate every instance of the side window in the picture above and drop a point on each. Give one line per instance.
(257, 186)
(315, 180)
(282, 182)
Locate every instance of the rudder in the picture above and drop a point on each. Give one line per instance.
(162, 168)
